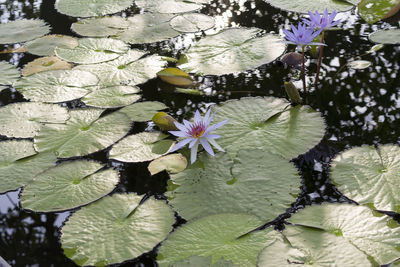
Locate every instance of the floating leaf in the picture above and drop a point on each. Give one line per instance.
(188, 91)
(356, 225)
(303, 6)
(173, 163)
(202, 261)
(256, 182)
(91, 8)
(44, 46)
(9, 73)
(143, 111)
(164, 121)
(369, 176)
(112, 97)
(141, 147)
(22, 30)
(233, 50)
(115, 229)
(45, 64)
(167, 6)
(359, 64)
(375, 48)
(192, 22)
(130, 69)
(19, 163)
(93, 50)
(68, 185)
(175, 76)
(148, 28)
(83, 133)
(56, 85)
(270, 124)
(23, 120)
(391, 36)
(372, 11)
(218, 237)
(100, 26)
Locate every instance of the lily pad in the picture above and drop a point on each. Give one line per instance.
(141, 147)
(129, 69)
(93, 50)
(68, 185)
(143, 111)
(83, 133)
(218, 237)
(359, 64)
(44, 46)
(307, 246)
(357, 226)
(270, 124)
(303, 6)
(23, 120)
(391, 36)
(112, 97)
(233, 50)
(192, 22)
(45, 64)
(56, 85)
(115, 229)
(148, 28)
(173, 163)
(91, 8)
(369, 176)
(372, 11)
(22, 30)
(3, 87)
(9, 73)
(168, 6)
(256, 182)
(19, 163)
(100, 26)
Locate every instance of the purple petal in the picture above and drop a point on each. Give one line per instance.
(179, 133)
(215, 126)
(212, 136)
(193, 142)
(197, 116)
(188, 124)
(210, 119)
(212, 142)
(180, 144)
(207, 146)
(180, 126)
(207, 116)
(193, 153)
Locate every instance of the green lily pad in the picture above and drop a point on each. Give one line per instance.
(148, 28)
(369, 176)
(68, 185)
(168, 6)
(303, 6)
(45, 64)
(9, 73)
(83, 133)
(23, 120)
(305, 246)
(44, 46)
(19, 163)
(143, 111)
(115, 229)
(93, 50)
(372, 11)
(56, 85)
(175, 76)
(270, 124)
(22, 30)
(112, 97)
(192, 22)
(100, 26)
(218, 237)
(202, 261)
(376, 236)
(256, 182)
(391, 36)
(91, 8)
(141, 147)
(173, 163)
(233, 50)
(359, 64)
(129, 69)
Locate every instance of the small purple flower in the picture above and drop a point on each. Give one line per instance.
(301, 35)
(198, 132)
(321, 21)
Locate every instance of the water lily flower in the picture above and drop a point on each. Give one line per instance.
(322, 21)
(302, 35)
(198, 132)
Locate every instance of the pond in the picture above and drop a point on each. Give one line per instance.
(281, 161)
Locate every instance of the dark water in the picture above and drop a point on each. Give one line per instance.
(359, 107)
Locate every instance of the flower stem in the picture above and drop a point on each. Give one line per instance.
(303, 72)
(321, 50)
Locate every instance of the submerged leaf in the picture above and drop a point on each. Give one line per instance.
(90, 8)
(22, 30)
(44, 46)
(173, 163)
(45, 64)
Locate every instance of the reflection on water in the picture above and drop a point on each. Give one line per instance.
(359, 107)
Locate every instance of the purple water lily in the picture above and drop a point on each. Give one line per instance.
(322, 21)
(198, 132)
(302, 35)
